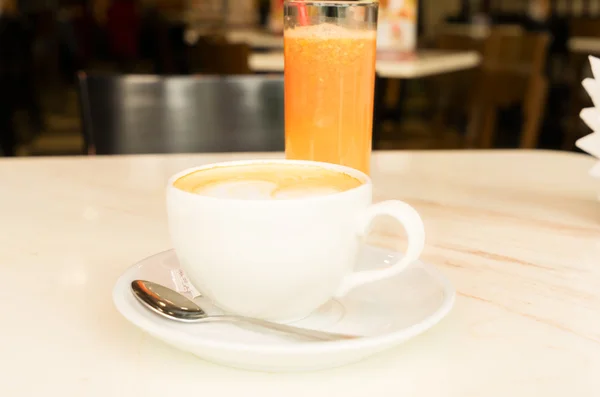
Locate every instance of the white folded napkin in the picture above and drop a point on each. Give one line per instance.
(590, 144)
(591, 116)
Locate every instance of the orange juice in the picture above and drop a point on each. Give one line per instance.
(329, 91)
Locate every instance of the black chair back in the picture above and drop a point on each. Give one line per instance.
(185, 114)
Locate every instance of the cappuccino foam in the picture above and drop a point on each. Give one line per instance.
(266, 181)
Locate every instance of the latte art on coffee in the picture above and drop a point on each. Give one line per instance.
(266, 181)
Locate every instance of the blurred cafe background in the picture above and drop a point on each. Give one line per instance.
(159, 76)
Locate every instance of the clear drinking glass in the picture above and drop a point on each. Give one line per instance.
(330, 51)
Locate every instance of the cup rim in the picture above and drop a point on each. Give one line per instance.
(367, 182)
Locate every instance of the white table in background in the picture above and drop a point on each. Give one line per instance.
(517, 233)
(425, 63)
(256, 38)
(585, 45)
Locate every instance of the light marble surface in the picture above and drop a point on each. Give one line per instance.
(518, 233)
(426, 63)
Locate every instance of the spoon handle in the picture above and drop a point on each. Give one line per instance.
(287, 329)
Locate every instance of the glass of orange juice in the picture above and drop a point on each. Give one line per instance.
(330, 51)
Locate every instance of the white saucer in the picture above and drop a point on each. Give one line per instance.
(387, 313)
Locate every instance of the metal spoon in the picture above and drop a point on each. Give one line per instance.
(174, 306)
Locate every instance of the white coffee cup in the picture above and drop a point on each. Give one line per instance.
(281, 259)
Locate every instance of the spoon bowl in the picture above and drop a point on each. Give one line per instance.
(166, 302)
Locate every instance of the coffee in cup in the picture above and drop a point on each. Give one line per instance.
(266, 181)
(276, 239)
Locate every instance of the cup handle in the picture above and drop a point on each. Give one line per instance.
(415, 231)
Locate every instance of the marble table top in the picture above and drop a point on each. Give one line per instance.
(517, 232)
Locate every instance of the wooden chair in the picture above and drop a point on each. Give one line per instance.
(456, 94)
(584, 27)
(513, 72)
(216, 56)
(474, 32)
(153, 114)
(449, 93)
